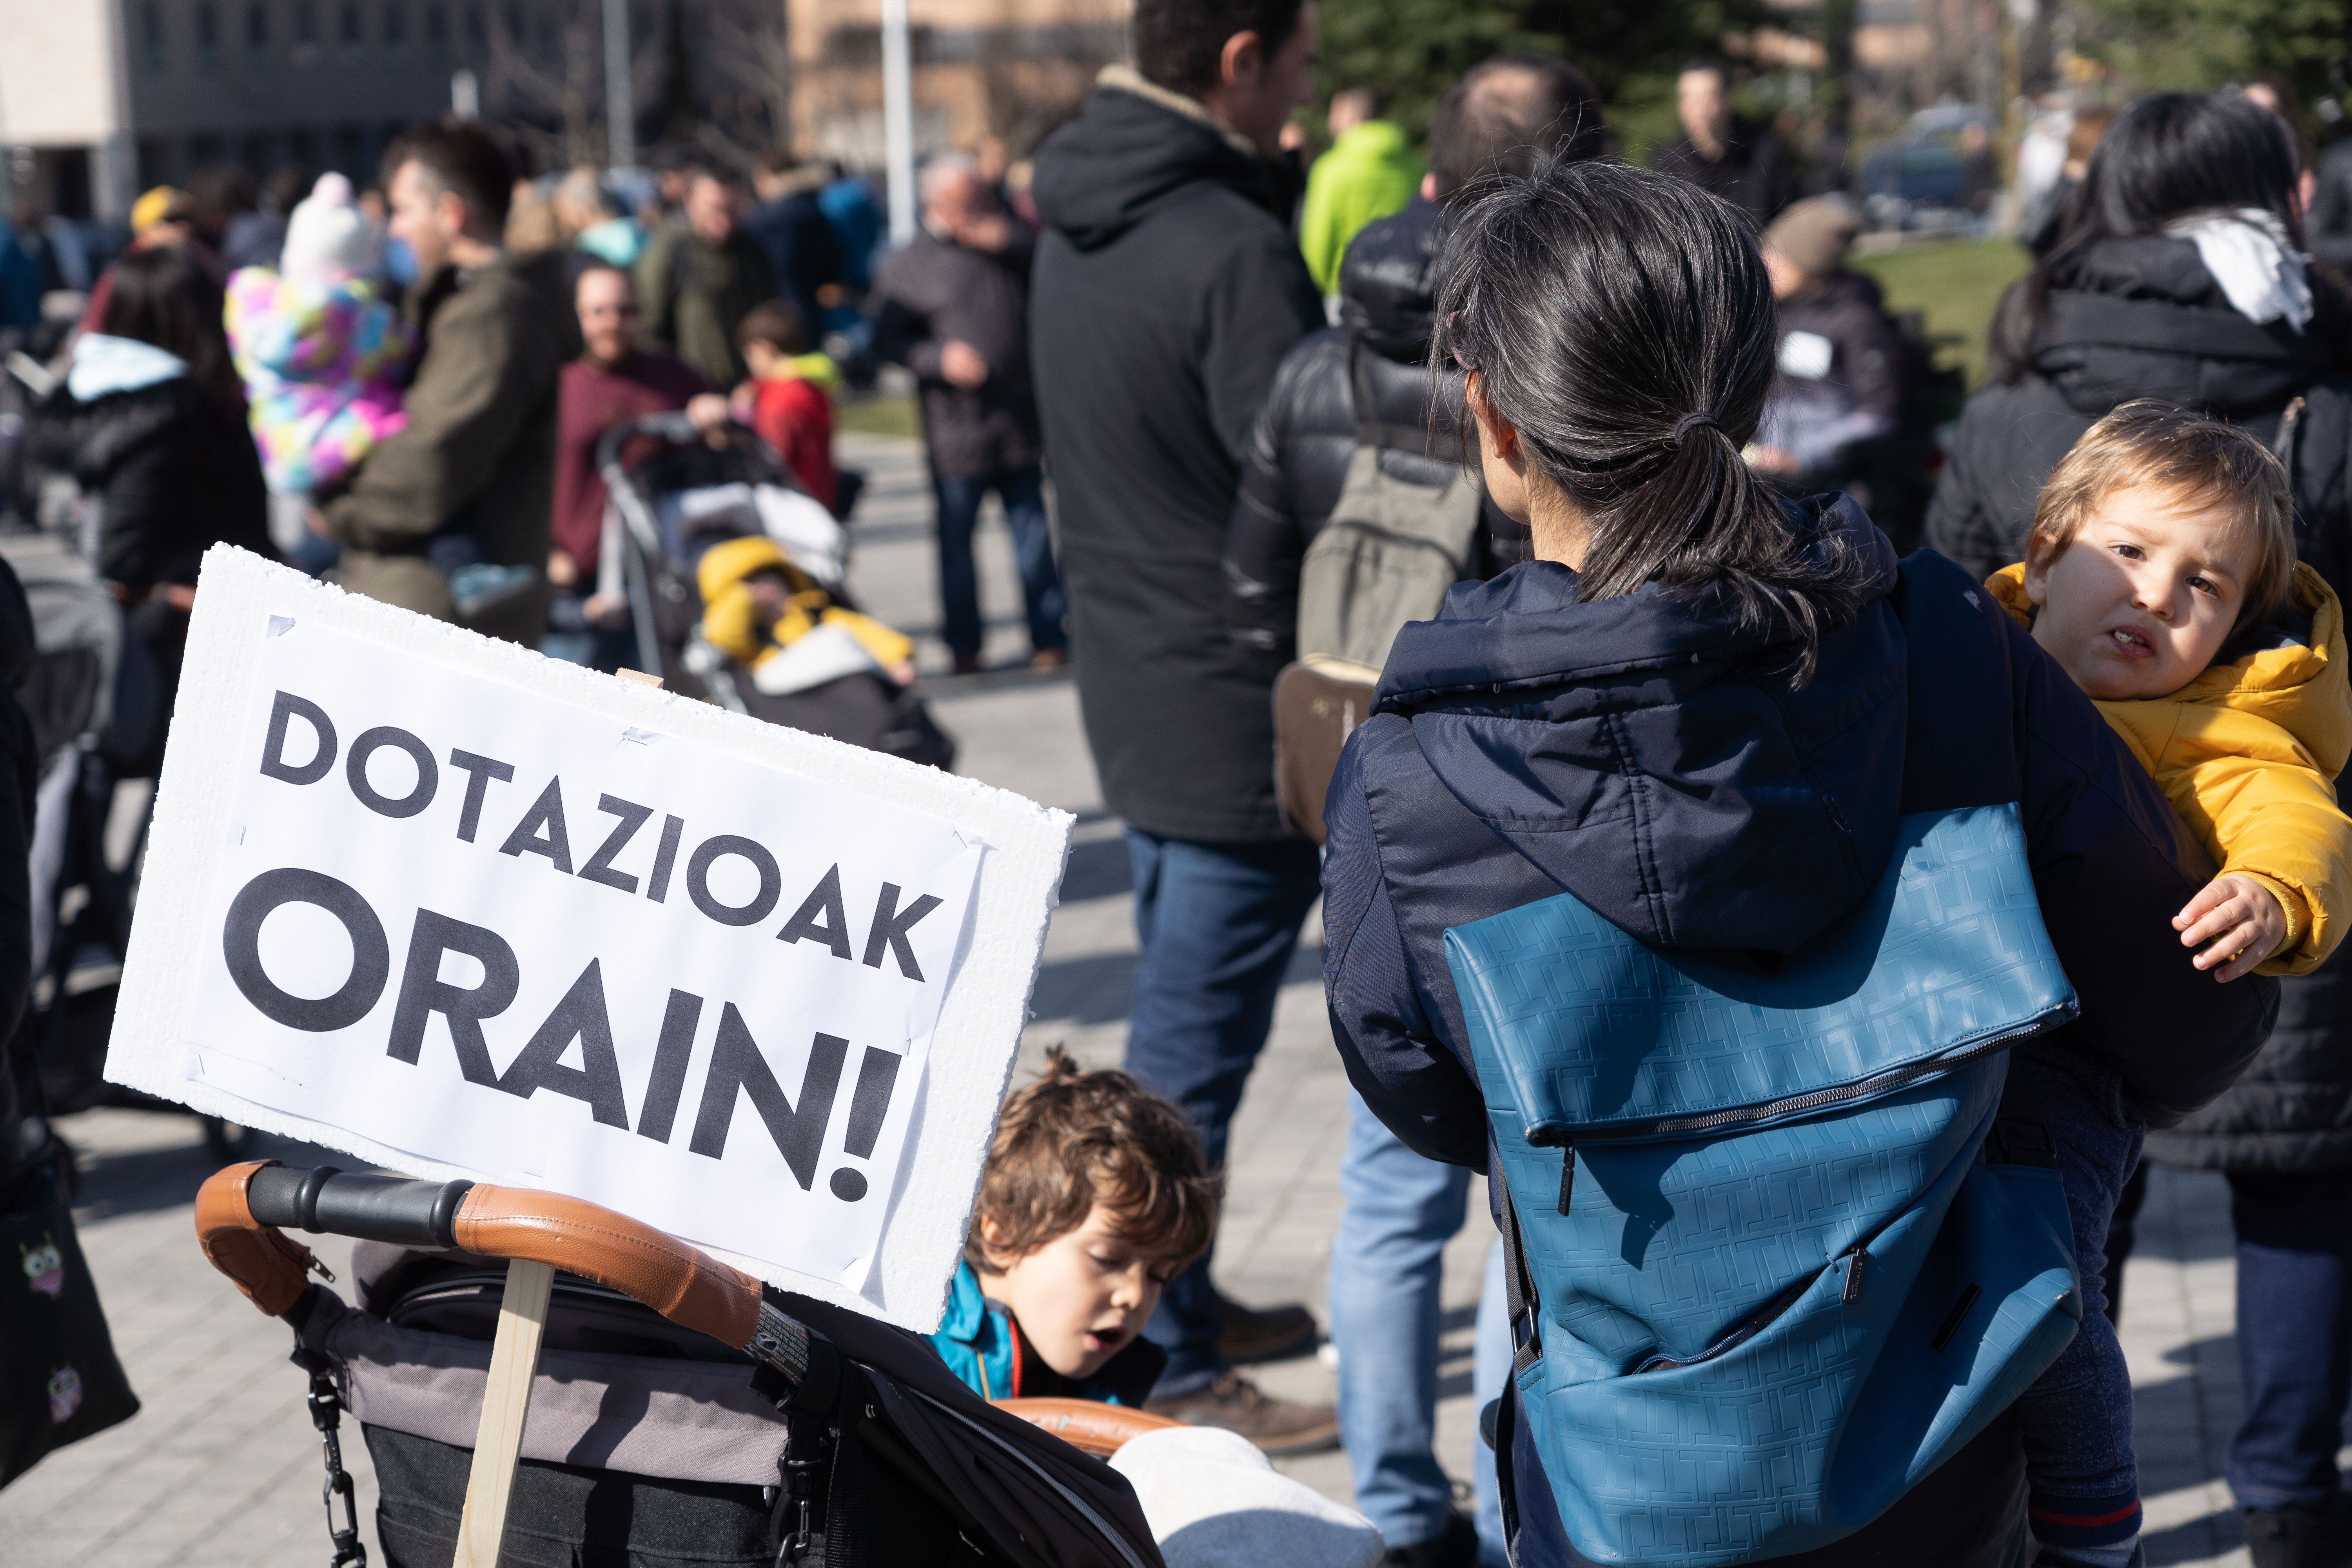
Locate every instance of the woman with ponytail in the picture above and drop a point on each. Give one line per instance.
(1702, 709)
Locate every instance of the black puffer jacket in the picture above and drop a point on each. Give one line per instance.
(2142, 318)
(171, 470)
(1298, 459)
(2139, 317)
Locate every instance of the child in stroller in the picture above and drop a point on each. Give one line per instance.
(812, 663)
(730, 568)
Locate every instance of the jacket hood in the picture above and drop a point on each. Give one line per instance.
(1375, 141)
(1648, 753)
(1132, 148)
(2294, 676)
(2142, 317)
(1388, 284)
(103, 365)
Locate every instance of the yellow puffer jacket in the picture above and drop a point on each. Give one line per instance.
(2248, 754)
(730, 619)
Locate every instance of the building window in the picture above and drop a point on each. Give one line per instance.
(395, 25)
(256, 29)
(477, 30)
(306, 21)
(207, 34)
(302, 147)
(350, 153)
(436, 28)
(153, 49)
(347, 31)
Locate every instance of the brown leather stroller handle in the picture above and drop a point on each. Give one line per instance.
(1084, 1425)
(258, 1258)
(239, 1209)
(680, 1281)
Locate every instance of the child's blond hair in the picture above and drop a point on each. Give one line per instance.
(1074, 1139)
(2192, 459)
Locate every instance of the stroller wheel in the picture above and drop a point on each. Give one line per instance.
(227, 1142)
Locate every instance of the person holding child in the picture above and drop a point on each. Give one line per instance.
(2181, 279)
(324, 355)
(1703, 709)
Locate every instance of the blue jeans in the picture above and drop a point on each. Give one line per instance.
(1216, 923)
(1023, 491)
(2077, 1417)
(2295, 1333)
(1397, 1211)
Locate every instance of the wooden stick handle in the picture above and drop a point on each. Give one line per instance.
(497, 1445)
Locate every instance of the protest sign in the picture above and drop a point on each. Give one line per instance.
(466, 912)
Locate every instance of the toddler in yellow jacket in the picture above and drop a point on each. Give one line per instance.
(2160, 574)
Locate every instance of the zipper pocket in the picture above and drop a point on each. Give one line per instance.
(1856, 1258)
(1542, 1136)
(1755, 1324)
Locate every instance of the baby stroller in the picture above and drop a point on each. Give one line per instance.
(680, 1412)
(675, 498)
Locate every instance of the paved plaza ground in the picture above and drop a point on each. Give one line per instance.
(222, 1467)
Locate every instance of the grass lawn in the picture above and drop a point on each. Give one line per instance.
(1957, 282)
(878, 416)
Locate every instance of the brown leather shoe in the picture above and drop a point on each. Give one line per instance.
(967, 664)
(1248, 1335)
(1276, 1425)
(1049, 658)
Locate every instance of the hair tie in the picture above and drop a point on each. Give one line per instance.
(1682, 426)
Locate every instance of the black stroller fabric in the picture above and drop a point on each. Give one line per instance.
(862, 710)
(912, 1466)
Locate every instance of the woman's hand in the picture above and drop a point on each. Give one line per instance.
(2237, 920)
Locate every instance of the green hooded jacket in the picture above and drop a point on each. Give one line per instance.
(1369, 172)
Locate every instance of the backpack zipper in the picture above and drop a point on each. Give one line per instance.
(1541, 1136)
(1756, 1322)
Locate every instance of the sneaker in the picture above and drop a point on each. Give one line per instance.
(1250, 1336)
(1276, 1425)
(2301, 1537)
(1456, 1547)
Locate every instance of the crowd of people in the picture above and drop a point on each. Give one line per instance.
(1655, 457)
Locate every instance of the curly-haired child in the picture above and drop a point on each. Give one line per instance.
(1095, 1196)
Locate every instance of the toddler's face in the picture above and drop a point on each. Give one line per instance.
(1083, 1297)
(2146, 595)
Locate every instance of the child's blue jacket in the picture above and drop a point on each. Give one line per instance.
(978, 1340)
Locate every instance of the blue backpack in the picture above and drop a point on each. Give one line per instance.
(1781, 1246)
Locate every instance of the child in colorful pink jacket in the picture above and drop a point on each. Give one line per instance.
(323, 353)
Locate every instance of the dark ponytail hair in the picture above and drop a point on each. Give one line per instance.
(1622, 322)
(2167, 156)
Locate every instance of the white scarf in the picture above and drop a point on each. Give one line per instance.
(2250, 255)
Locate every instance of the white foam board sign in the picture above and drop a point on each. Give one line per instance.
(466, 911)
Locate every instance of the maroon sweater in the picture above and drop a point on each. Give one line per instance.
(594, 398)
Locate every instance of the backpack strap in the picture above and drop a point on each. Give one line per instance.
(1520, 1288)
(1371, 432)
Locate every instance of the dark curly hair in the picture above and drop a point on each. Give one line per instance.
(1074, 1139)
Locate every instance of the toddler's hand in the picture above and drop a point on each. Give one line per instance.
(2238, 917)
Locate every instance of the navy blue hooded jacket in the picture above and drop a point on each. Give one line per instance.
(1650, 754)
